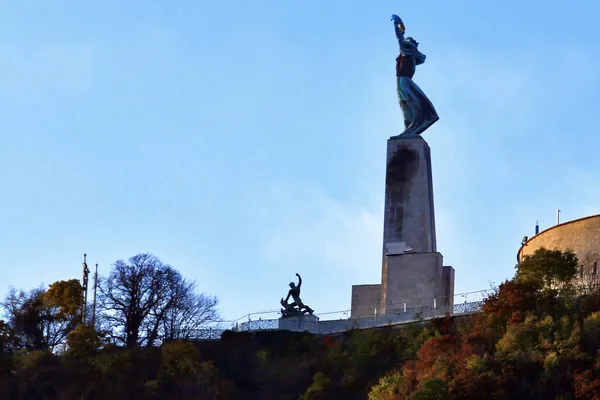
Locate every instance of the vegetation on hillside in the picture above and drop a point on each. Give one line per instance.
(538, 337)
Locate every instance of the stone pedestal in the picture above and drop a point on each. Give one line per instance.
(412, 275)
(300, 324)
(409, 219)
(411, 281)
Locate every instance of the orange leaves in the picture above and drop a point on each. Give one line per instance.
(587, 387)
(511, 297)
(65, 295)
(438, 357)
(329, 341)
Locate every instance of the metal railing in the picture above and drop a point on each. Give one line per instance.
(207, 334)
(332, 326)
(468, 303)
(258, 325)
(471, 307)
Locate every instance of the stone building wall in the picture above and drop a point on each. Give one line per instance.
(366, 300)
(582, 236)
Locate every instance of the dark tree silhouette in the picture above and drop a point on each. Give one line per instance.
(39, 319)
(145, 301)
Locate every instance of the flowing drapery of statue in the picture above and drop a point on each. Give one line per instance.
(418, 111)
(297, 307)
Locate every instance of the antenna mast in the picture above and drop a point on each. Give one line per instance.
(86, 272)
(94, 303)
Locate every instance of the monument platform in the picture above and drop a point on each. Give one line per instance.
(300, 323)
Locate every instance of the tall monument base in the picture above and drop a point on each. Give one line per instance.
(409, 218)
(413, 275)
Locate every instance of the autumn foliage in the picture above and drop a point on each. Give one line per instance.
(537, 337)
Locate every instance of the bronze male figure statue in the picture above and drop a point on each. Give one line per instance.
(297, 307)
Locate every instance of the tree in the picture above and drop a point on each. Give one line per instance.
(8, 341)
(40, 319)
(433, 389)
(552, 269)
(391, 387)
(193, 312)
(146, 301)
(589, 273)
(84, 341)
(67, 296)
(319, 389)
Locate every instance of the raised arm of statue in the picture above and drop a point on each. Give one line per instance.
(399, 28)
(299, 281)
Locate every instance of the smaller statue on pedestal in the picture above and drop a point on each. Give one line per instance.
(297, 307)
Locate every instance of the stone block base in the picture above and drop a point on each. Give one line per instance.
(448, 282)
(300, 324)
(412, 281)
(366, 300)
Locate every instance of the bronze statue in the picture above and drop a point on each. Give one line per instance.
(418, 111)
(297, 307)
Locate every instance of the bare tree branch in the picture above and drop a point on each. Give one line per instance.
(144, 302)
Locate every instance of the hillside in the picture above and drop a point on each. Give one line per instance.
(538, 337)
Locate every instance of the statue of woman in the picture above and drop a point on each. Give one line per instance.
(418, 111)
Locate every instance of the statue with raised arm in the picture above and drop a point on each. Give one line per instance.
(297, 307)
(418, 111)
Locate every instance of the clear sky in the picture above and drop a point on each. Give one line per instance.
(244, 141)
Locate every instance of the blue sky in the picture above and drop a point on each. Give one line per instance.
(242, 142)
